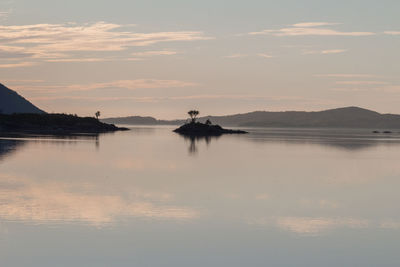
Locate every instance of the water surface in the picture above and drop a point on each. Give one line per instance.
(149, 197)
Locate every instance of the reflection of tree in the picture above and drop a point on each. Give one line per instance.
(194, 140)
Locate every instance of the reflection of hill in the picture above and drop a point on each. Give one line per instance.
(12, 143)
(341, 139)
(7, 147)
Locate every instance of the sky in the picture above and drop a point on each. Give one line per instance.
(162, 58)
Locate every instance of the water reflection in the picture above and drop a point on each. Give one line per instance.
(195, 140)
(245, 199)
(8, 147)
(24, 199)
(9, 144)
(345, 139)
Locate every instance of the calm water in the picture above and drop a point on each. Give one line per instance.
(149, 197)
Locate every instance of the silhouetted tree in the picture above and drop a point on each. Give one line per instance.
(208, 122)
(193, 114)
(97, 114)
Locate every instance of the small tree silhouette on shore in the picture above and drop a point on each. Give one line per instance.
(193, 114)
(97, 114)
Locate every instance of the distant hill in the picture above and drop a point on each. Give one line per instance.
(11, 102)
(348, 117)
(138, 120)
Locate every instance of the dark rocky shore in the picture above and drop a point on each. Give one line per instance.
(202, 129)
(54, 124)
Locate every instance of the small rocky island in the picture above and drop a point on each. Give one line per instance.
(194, 128)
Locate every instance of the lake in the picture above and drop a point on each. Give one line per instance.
(149, 197)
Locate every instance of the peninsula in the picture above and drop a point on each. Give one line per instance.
(18, 115)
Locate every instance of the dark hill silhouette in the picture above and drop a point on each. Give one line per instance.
(347, 117)
(54, 124)
(11, 102)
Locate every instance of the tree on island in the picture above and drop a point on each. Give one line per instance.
(97, 114)
(193, 114)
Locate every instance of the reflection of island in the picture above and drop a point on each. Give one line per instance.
(194, 140)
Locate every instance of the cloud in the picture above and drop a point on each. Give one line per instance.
(236, 56)
(313, 24)
(154, 53)
(324, 52)
(343, 75)
(124, 84)
(78, 60)
(390, 224)
(4, 14)
(14, 81)
(309, 29)
(17, 65)
(310, 225)
(361, 82)
(392, 32)
(265, 55)
(65, 41)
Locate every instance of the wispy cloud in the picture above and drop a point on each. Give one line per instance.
(238, 55)
(66, 41)
(345, 75)
(392, 32)
(313, 24)
(265, 55)
(361, 82)
(306, 225)
(324, 52)
(310, 28)
(4, 14)
(78, 60)
(124, 84)
(154, 53)
(17, 65)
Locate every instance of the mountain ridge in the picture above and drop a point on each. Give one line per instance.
(344, 117)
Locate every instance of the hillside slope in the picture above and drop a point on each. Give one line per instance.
(11, 102)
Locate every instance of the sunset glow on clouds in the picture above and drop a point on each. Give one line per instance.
(61, 41)
(183, 51)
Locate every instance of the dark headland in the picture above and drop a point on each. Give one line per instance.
(54, 124)
(18, 115)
